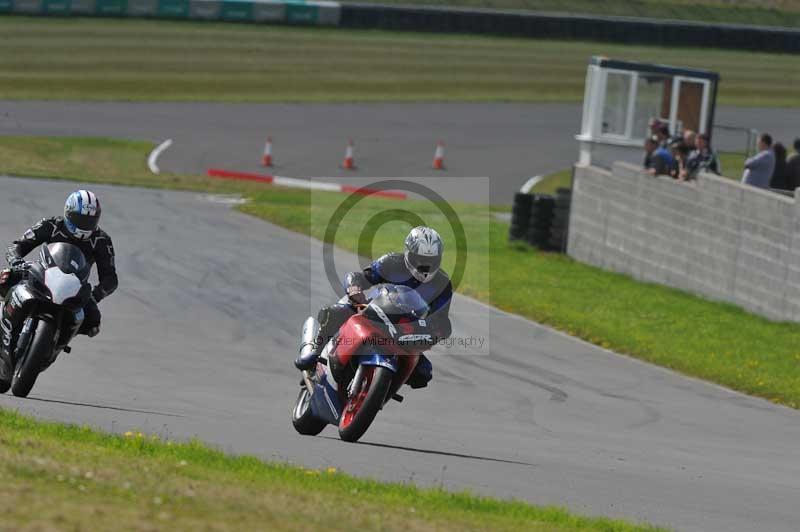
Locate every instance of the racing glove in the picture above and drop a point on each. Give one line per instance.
(17, 263)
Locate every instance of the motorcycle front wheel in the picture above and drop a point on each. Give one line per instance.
(31, 363)
(360, 411)
(302, 418)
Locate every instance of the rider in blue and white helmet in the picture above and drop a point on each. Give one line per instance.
(419, 268)
(80, 227)
(82, 214)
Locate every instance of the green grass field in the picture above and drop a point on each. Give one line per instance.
(760, 12)
(146, 60)
(650, 322)
(59, 477)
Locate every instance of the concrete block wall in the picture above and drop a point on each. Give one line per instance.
(714, 237)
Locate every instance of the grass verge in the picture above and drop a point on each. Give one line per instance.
(148, 60)
(63, 477)
(713, 341)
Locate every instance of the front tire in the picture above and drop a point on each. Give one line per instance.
(360, 411)
(303, 418)
(29, 366)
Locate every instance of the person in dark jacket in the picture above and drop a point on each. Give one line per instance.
(793, 167)
(418, 267)
(778, 179)
(79, 227)
(702, 159)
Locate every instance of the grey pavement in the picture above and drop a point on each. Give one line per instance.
(199, 341)
(507, 142)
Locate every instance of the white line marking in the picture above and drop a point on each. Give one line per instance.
(530, 183)
(151, 160)
(305, 183)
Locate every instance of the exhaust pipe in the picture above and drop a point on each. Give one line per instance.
(308, 338)
(308, 342)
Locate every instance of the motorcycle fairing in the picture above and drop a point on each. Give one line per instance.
(379, 359)
(325, 402)
(15, 310)
(357, 332)
(62, 285)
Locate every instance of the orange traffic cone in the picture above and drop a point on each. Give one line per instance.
(349, 163)
(266, 160)
(438, 157)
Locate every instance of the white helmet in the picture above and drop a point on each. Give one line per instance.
(82, 214)
(423, 253)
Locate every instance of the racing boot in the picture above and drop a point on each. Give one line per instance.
(422, 374)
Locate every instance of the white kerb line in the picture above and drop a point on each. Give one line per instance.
(530, 183)
(151, 160)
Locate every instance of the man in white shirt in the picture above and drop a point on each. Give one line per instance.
(758, 169)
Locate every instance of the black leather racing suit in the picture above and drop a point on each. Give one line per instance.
(98, 249)
(391, 268)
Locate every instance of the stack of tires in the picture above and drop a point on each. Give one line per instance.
(541, 217)
(558, 228)
(520, 213)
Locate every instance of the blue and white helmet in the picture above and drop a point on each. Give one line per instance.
(82, 214)
(423, 253)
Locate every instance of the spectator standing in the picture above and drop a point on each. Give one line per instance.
(655, 125)
(689, 139)
(778, 179)
(657, 159)
(793, 167)
(758, 168)
(662, 135)
(701, 159)
(680, 153)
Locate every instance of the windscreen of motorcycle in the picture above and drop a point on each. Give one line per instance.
(67, 258)
(65, 271)
(398, 301)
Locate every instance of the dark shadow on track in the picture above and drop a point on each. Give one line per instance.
(440, 453)
(103, 407)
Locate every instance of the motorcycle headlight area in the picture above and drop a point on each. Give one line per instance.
(62, 285)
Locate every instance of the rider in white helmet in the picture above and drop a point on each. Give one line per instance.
(80, 227)
(418, 267)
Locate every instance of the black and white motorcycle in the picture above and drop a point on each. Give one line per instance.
(42, 314)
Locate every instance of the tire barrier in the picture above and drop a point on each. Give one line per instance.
(574, 27)
(560, 222)
(541, 218)
(520, 214)
(315, 13)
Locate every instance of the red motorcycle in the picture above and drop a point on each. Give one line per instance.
(364, 365)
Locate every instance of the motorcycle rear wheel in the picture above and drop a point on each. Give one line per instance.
(302, 418)
(29, 366)
(360, 411)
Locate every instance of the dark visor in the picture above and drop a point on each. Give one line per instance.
(83, 222)
(424, 263)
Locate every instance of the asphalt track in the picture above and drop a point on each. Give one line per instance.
(199, 341)
(506, 142)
